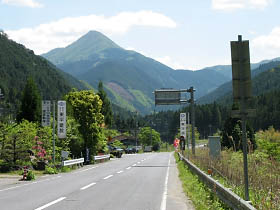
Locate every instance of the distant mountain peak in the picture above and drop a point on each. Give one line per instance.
(89, 44)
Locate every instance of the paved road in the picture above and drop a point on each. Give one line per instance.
(134, 182)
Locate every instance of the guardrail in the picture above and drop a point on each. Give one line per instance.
(101, 157)
(225, 194)
(72, 162)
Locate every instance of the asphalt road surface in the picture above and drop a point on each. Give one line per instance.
(134, 182)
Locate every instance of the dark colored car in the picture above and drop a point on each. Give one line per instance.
(117, 152)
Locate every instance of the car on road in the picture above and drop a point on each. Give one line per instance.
(116, 151)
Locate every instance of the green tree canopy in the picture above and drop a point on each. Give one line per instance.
(86, 108)
(30, 108)
(149, 136)
(106, 109)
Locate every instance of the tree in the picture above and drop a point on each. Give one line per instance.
(232, 135)
(86, 108)
(30, 108)
(106, 109)
(149, 136)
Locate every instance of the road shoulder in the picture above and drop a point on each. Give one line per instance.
(176, 198)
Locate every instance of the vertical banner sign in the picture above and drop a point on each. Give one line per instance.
(183, 130)
(46, 113)
(61, 119)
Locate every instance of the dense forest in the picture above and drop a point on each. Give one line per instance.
(210, 118)
(19, 63)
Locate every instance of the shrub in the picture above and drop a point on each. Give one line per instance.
(65, 169)
(50, 170)
(30, 175)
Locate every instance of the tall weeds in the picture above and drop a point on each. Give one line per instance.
(264, 175)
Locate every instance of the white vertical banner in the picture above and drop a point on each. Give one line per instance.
(61, 119)
(46, 113)
(183, 130)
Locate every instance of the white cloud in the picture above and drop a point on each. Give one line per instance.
(62, 32)
(267, 46)
(229, 5)
(23, 3)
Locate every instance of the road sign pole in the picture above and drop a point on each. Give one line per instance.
(243, 118)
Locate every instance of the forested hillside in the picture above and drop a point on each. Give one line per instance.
(224, 92)
(18, 63)
(209, 118)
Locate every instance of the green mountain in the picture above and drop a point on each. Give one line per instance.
(17, 63)
(129, 77)
(259, 80)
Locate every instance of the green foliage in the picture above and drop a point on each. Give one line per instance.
(200, 194)
(86, 106)
(30, 175)
(65, 169)
(30, 108)
(149, 136)
(263, 173)
(269, 142)
(232, 135)
(17, 63)
(73, 137)
(50, 170)
(118, 144)
(106, 109)
(17, 139)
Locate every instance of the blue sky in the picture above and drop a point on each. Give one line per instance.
(184, 34)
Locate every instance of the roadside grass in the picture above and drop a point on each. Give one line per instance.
(201, 196)
(264, 175)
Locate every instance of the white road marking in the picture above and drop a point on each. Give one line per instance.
(107, 177)
(164, 196)
(128, 168)
(85, 187)
(51, 203)
(119, 172)
(134, 165)
(138, 162)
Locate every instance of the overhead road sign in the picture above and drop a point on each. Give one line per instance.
(169, 97)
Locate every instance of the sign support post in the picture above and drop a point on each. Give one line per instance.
(241, 82)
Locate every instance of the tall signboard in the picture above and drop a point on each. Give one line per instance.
(241, 70)
(46, 113)
(167, 97)
(61, 119)
(183, 130)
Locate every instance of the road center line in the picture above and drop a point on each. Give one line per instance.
(164, 196)
(87, 186)
(107, 177)
(119, 172)
(51, 203)
(128, 168)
